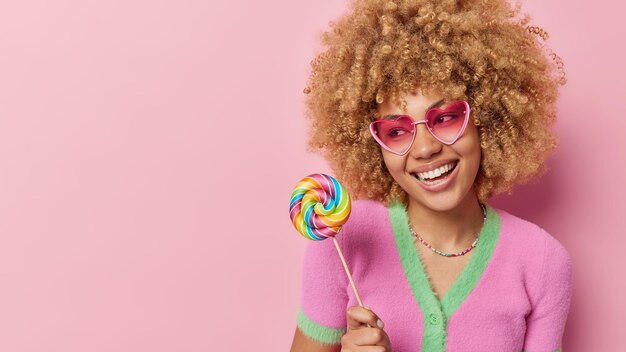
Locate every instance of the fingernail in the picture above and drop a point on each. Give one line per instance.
(380, 324)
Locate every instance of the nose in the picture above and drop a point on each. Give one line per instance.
(425, 144)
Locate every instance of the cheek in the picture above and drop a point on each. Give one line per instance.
(471, 144)
(393, 162)
(476, 150)
(471, 151)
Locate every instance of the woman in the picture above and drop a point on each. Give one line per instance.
(425, 110)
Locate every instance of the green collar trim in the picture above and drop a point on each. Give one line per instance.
(437, 313)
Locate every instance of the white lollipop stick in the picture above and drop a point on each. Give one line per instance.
(345, 266)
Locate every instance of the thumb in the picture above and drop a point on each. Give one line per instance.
(359, 317)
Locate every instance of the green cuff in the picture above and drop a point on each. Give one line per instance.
(317, 332)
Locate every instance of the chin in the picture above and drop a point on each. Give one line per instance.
(441, 205)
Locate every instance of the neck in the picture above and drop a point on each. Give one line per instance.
(450, 229)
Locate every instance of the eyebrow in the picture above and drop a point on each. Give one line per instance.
(437, 104)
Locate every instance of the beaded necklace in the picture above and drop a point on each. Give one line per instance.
(452, 254)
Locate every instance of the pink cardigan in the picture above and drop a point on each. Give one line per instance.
(513, 295)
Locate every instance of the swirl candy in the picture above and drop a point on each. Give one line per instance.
(319, 206)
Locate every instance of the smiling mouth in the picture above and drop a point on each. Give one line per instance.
(436, 180)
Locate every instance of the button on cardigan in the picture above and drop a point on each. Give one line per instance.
(513, 294)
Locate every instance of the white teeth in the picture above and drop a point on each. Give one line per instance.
(437, 172)
(432, 183)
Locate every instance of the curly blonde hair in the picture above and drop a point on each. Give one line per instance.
(473, 50)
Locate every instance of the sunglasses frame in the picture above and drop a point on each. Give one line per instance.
(415, 123)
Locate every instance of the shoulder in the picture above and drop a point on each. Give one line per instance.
(541, 255)
(528, 235)
(365, 212)
(519, 228)
(367, 222)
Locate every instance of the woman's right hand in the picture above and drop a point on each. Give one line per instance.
(365, 332)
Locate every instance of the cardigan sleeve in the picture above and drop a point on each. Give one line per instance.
(324, 298)
(546, 322)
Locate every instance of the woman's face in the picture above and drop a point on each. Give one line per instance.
(428, 152)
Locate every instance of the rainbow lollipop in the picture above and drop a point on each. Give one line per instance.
(319, 206)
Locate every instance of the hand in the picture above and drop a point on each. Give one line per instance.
(365, 332)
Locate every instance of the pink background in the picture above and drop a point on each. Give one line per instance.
(148, 150)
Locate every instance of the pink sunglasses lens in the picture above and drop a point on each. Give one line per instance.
(396, 134)
(447, 123)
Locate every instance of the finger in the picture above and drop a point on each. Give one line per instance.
(379, 323)
(359, 317)
(367, 337)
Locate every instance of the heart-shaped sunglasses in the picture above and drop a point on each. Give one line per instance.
(397, 133)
